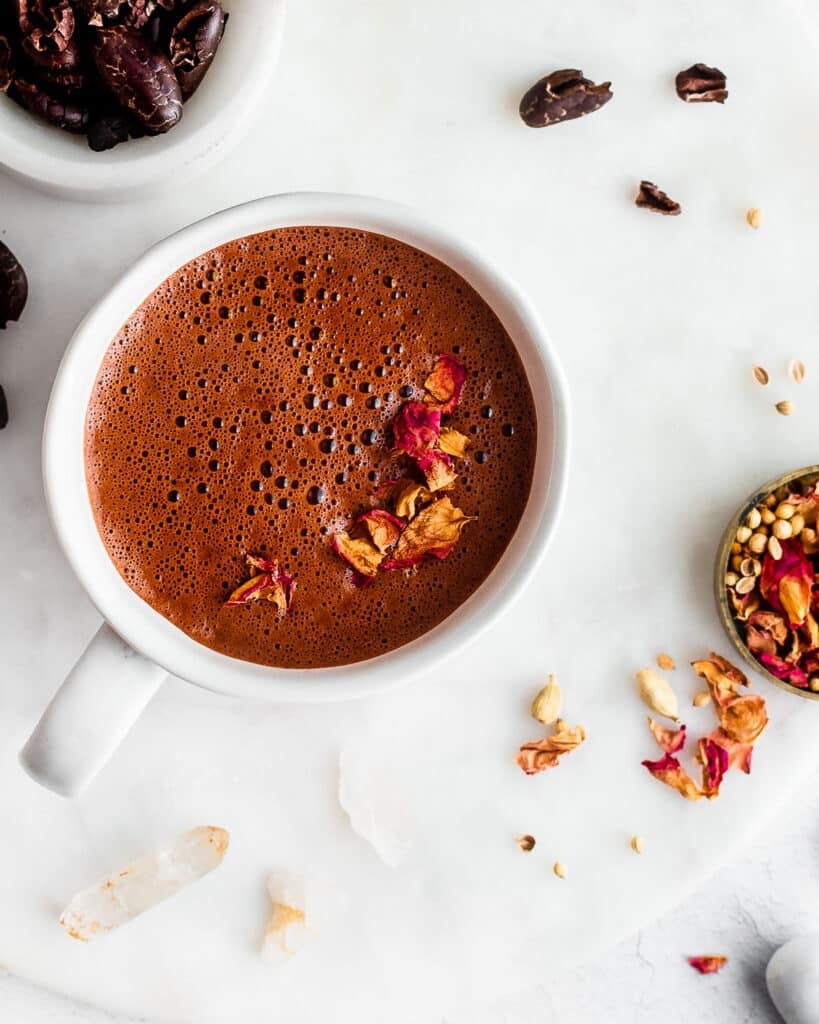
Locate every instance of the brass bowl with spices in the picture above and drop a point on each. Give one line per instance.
(766, 581)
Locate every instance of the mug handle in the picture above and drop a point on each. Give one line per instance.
(90, 714)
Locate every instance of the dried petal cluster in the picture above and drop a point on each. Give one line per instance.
(742, 718)
(539, 755)
(771, 583)
(111, 69)
(708, 964)
(421, 523)
(267, 583)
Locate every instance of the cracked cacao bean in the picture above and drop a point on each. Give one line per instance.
(63, 113)
(6, 64)
(652, 198)
(13, 286)
(701, 84)
(562, 96)
(194, 41)
(138, 76)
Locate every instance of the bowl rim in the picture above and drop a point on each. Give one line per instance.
(62, 164)
(726, 616)
(147, 630)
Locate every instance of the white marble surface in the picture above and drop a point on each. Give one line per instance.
(657, 321)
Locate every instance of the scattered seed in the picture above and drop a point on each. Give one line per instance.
(774, 549)
(761, 375)
(767, 516)
(758, 543)
(754, 217)
(797, 371)
(754, 518)
(666, 662)
(782, 529)
(797, 525)
(526, 843)
(548, 702)
(731, 579)
(747, 583)
(736, 549)
(750, 567)
(638, 844)
(657, 694)
(784, 408)
(744, 534)
(785, 510)
(560, 869)
(701, 699)
(814, 684)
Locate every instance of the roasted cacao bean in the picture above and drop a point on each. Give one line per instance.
(107, 129)
(701, 84)
(652, 198)
(13, 286)
(47, 24)
(194, 41)
(4, 409)
(64, 113)
(6, 64)
(562, 96)
(138, 76)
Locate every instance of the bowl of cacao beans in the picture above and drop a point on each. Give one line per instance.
(107, 99)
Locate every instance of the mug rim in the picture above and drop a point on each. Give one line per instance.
(154, 636)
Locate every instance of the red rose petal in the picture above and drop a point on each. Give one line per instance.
(669, 770)
(416, 429)
(708, 964)
(715, 764)
(671, 740)
(433, 533)
(438, 471)
(269, 584)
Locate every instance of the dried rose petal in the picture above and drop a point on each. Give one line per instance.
(669, 770)
(438, 471)
(739, 754)
(722, 677)
(268, 583)
(445, 383)
(671, 740)
(416, 429)
(708, 964)
(433, 533)
(715, 763)
(784, 670)
(766, 632)
(744, 605)
(453, 442)
(743, 718)
(405, 495)
(359, 553)
(786, 583)
(543, 754)
(383, 528)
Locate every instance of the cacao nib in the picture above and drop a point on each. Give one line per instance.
(701, 84)
(194, 41)
(13, 286)
(652, 198)
(562, 96)
(4, 409)
(138, 76)
(63, 113)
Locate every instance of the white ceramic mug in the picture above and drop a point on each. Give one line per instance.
(136, 647)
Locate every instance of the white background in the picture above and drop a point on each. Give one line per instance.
(658, 321)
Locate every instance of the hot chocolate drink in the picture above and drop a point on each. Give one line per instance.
(268, 394)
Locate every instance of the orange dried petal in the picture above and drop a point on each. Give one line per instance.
(715, 763)
(669, 770)
(382, 528)
(453, 442)
(722, 677)
(445, 383)
(739, 754)
(540, 755)
(433, 533)
(405, 495)
(438, 470)
(671, 740)
(358, 552)
(743, 718)
(269, 584)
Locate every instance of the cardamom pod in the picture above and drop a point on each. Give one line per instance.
(656, 692)
(547, 704)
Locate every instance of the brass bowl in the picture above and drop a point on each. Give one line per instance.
(808, 475)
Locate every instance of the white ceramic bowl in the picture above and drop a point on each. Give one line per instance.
(214, 119)
(84, 705)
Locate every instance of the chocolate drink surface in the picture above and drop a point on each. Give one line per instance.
(246, 408)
